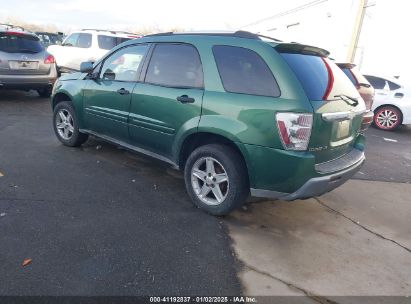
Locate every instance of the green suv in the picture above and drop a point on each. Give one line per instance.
(239, 113)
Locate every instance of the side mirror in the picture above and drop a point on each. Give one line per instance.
(86, 67)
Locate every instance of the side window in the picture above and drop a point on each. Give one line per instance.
(123, 65)
(106, 42)
(71, 40)
(244, 71)
(393, 86)
(175, 65)
(376, 82)
(84, 41)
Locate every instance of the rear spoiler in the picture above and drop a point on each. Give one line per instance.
(346, 65)
(296, 48)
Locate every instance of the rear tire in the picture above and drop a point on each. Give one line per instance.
(387, 118)
(45, 92)
(65, 125)
(216, 179)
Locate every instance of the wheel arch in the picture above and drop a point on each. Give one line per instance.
(62, 96)
(198, 139)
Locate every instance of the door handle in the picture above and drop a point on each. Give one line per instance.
(123, 91)
(185, 99)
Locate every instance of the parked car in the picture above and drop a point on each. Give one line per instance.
(86, 45)
(392, 103)
(238, 114)
(364, 88)
(50, 38)
(24, 63)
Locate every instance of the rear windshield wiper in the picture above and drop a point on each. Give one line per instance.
(348, 99)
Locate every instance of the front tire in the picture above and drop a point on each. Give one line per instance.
(387, 118)
(216, 179)
(65, 125)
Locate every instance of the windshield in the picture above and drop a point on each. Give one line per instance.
(321, 78)
(19, 43)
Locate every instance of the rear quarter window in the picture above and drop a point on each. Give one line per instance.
(393, 86)
(376, 82)
(108, 42)
(244, 71)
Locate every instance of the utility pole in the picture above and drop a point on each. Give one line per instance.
(355, 37)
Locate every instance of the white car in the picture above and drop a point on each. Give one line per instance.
(86, 45)
(392, 103)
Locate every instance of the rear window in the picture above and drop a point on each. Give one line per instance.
(244, 71)
(108, 42)
(360, 77)
(349, 75)
(20, 43)
(313, 75)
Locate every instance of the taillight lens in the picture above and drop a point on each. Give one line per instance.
(49, 59)
(294, 130)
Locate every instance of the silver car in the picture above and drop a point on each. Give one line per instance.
(24, 63)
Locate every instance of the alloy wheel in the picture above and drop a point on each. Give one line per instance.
(64, 124)
(386, 119)
(210, 181)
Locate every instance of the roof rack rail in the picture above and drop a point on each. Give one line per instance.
(110, 31)
(239, 34)
(160, 34)
(11, 26)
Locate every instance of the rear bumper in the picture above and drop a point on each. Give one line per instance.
(28, 81)
(317, 186)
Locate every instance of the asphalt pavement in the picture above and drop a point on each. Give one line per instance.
(98, 220)
(388, 156)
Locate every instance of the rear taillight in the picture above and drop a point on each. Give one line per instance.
(49, 59)
(294, 130)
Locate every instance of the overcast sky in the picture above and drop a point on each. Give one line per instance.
(119, 14)
(383, 34)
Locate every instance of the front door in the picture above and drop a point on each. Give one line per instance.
(107, 98)
(170, 98)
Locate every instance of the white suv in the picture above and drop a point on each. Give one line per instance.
(86, 45)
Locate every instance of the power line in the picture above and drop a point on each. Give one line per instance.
(294, 10)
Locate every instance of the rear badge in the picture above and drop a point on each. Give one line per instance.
(318, 149)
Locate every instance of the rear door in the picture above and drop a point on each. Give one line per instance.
(107, 98)
(22, 54)
(169, 98)
(337, 105)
